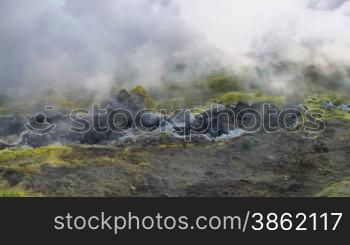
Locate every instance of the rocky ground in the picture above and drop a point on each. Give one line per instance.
(259, 164)
(279, 164)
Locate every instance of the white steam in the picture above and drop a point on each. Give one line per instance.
(90, 44)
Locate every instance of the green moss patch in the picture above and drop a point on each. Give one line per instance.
(222, 83)
(16, 192)
(22, 169)
(338, 189)
(314, 102)
(234, 97)
(141, 91)
(30, 159)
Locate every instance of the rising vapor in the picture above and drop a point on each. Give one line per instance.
(92, 44)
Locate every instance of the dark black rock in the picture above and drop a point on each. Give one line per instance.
(241, 106)
(124, 100)
(12, 125)
(12, 176)
(150, 120)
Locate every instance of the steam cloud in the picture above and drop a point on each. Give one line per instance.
(90, 44)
